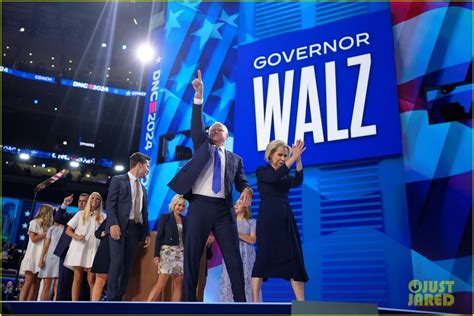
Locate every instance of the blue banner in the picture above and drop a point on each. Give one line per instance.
(96, 87)
(148, 142)
(333, 86)
(27, 75)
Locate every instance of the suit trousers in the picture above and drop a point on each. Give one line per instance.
(122, 254)
(206, 214)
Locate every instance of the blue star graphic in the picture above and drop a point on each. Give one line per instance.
(168, 94)
(204, 32)
(25, 225)
(184, 75)
(215, 31)
(226, 93)
(229, 19)
(191, 5)
(27, 213)
(22, 237)
(172, 21)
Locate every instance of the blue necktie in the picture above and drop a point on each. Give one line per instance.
(216, 175)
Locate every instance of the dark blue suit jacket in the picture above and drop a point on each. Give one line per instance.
(167, 233)
(119, 204)
(62, 217)
(183, 181)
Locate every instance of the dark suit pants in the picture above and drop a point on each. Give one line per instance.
(122, 253)
(208, 214)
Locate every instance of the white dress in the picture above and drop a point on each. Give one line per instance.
(81, 253)
(51, 266)
(33, 251)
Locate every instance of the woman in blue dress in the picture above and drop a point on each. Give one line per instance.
(279, 252)
(246, 227)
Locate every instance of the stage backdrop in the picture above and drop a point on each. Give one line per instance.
(382, 95)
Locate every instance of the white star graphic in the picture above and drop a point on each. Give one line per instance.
(27, 213)
(25, 225)
(22, 237)
(229, 19)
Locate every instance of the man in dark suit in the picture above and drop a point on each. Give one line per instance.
(206, 182)
(66, 275)
(127, 222)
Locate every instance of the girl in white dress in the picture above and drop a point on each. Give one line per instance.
(49, 262)
(29, 266)
(84, 244)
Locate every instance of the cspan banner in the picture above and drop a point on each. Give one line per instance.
(333, 85)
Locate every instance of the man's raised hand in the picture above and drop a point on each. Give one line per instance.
(198, 86)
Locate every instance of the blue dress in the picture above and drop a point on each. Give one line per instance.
(279, 252)
(247, 253)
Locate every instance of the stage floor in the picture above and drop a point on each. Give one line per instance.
(159, 308)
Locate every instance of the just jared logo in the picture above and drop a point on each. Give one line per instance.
(430, 293)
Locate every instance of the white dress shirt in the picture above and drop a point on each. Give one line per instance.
(140, 195)
(203, 183)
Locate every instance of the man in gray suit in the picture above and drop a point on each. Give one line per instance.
(127, 222)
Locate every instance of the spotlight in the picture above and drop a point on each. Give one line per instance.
(88, 175)
(8, 47)
(24, 156)
(135, 21)
(124, 47)
(30, 54)
(55, 109)
(52, 66)
(6, 162)
(74, 164)
(64, 142)
(43, 165)
(145, 53)
(34, 166)
(104, 44)
(70, 61)
(119, 168)
(52, 58)
(31, 61)
(4, 55)
(22, 29)
(35, 101)
(49, 170)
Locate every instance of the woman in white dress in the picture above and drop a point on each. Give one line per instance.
(84, 244)
(29, 266)
(49, 262)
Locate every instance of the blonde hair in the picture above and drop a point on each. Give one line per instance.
(45, 214)
(273, 146)
(247, 213)
(175, 200)
(86, 214)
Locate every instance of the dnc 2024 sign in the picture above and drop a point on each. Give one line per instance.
(333, 86)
